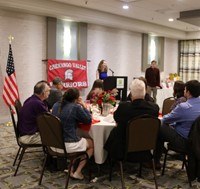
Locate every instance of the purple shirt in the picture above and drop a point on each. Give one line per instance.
(32, 107)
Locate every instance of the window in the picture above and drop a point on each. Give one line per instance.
(66, 40)
(152, 49)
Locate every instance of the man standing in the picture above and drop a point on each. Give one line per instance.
(152, 76)
(116, 143)
(177, 124)
(32, 107)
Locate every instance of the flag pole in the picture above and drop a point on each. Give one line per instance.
(10, 88)
(10, 38)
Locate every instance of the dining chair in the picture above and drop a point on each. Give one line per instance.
(22, 147)
(146, 126)
(188, 154)
(18, 106)
(51, 132)
(183, 154)
(167, 104)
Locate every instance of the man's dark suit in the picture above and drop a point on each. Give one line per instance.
(115, 145)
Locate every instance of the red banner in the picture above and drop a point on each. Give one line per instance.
(72, 72)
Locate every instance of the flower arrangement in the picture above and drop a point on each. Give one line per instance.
(174, 76)
(105, 97)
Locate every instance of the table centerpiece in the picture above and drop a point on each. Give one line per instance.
(106, 100)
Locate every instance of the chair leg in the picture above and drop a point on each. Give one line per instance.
(17, 155)
(20, 159)
(122, 175)
(187, 171)
(154, 174)
(89, 168)
(99, 170)
(164, 163)
(140, 170)
(111, 163)
(43, 168)
(184, 161)
(183, 165)
(68, 174)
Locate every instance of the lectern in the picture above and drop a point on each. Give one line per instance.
(118, 82)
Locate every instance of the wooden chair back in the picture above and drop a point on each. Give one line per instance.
(18, 107)
(142, 133)
(167, 104)
(51, 131)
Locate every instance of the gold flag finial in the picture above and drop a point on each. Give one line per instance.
(10, 38)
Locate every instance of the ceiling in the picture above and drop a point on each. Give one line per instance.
(153, 11)
(143, 16)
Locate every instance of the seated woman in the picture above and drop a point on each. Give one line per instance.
(97, 87)
(71, 111)
(179, 87)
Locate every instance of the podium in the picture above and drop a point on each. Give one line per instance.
(118, 82)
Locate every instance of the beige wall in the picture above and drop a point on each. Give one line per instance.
(29, 48)
(121, 48)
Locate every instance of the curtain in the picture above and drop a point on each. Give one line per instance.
(189, 60)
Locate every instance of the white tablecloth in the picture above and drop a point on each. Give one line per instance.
(162, 94)
(99, 133)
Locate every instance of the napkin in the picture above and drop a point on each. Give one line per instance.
(86, 127)
(95, 121)
(109, 118)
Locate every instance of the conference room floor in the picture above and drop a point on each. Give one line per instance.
(29, 172)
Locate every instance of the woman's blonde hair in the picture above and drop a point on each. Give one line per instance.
(100, 66)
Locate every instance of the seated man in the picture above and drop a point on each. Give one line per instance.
(55, 92)
(115, 145)
(32, 107)
(177, 124)
(147, 97)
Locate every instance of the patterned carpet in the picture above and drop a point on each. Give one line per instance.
(29, 172)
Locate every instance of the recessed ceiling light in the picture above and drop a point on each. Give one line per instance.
(170, 19)
(125, 6)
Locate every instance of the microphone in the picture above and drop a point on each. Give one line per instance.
(112, 71)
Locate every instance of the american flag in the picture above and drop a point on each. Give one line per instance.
(10, 89)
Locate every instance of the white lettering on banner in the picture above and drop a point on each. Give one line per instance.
(74, 84)
(67, 65)
(61, 65)
(80, 66)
